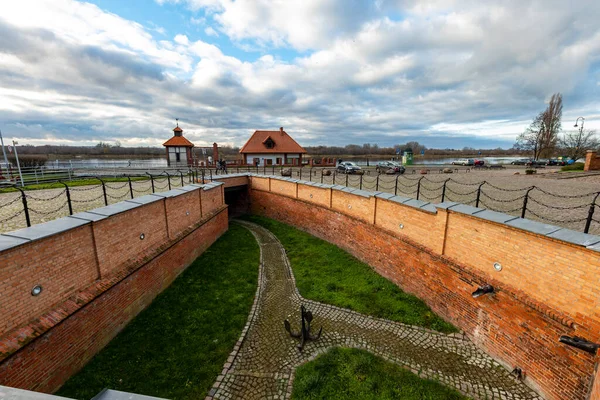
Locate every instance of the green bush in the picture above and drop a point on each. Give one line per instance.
(530, 171)
(578, 166)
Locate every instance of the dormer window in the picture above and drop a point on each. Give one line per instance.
(269, 143)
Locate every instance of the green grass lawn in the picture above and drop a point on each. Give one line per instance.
(345, 374)
(73, 183)
(328, 274)
(177, 346)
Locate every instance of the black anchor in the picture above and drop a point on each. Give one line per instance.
(304, 333)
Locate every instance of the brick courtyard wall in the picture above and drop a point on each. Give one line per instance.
(90, 294)
(118, 240)
(45, 263)
(183, 211)
(592, 161)
(595, 395)
(320, 196)
(212, 199)
(443, 257)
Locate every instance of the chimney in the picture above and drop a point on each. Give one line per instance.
(281, 130)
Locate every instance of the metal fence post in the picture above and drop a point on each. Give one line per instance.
(396, 187)
(377, 183)
(419, 187)
(25, 207)
(525, 201)
(168, 179)
(360, 182)
(181, 173)
(444, 190)
(103, 191)
(130, 187)
(346, 179)
(300, 174)
(210, 171)
(322, 176)
(588, 222)
(68, 197)
(151, 180)
(479, 194)
(265, 169)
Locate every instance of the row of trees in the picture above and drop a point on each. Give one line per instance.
(543, 137)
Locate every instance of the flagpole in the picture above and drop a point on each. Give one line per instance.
(3, 150)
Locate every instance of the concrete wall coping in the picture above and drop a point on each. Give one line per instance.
(116, 208)
(46, 229)
(146, 199)
(88, 216)
(10, 393)
(8, 242)
(188, 188)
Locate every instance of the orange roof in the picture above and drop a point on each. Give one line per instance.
(178, 141)
(177, 129)
(283, 143)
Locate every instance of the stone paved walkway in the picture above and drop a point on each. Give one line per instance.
(263, 362)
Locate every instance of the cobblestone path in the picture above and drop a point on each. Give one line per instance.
(263, 361)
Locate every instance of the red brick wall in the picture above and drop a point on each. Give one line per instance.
(320, 196)
(510, 325)
(595, 395)
(421, 226)
(212, 199)
(118, 240)
(559, 275)
(592, 161)
(183, 211)
(47, 362)
(356, 206)
(49, 263)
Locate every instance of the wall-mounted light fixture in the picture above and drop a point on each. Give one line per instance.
(580, 343)
(37, 289)
(518, 373)
(401, 226)
(349, 206)
(497, 266)
(486, 289)
(142, 236)
(187, 213)
(311, 195)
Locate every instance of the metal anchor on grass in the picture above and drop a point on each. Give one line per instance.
(304, 333)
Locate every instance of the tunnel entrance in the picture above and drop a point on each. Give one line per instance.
(238, 200)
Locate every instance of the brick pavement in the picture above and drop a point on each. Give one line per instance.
(263, 361)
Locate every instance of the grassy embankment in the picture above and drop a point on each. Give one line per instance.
(328, 274)
(177, 346)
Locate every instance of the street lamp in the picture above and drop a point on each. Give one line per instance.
(582, 121)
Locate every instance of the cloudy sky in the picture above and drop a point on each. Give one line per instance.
(448, 73)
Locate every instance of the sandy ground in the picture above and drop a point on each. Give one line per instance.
(554, 200)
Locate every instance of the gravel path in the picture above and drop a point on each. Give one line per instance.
(263, 362)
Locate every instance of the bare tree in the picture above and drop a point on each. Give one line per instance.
(541, 136)
(576, 143)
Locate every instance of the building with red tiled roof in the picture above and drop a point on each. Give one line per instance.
(179, 149)
(272, 148)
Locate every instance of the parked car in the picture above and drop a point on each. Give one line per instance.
(347, 167)
(385, 166)
(522, 161)
(555, 161)
(479, 163)
(464, 161)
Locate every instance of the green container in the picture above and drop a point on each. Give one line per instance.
(407, 158)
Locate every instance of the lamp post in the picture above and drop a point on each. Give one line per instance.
(3, 150)
(582, 121)
(15, 143)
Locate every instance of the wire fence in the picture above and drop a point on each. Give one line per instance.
(574, 211)
(25, 207)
